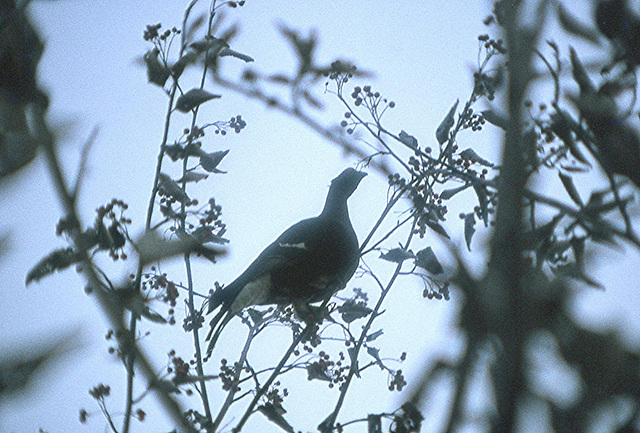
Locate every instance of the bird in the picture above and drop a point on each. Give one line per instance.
(306, 264)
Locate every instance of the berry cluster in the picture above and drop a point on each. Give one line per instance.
(152, 33)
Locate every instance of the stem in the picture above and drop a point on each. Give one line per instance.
(269, 381)
(328, 423)
(236, 378)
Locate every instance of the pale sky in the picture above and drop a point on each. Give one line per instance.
(422, 54)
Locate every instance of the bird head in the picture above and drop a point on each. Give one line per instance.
(346, 183)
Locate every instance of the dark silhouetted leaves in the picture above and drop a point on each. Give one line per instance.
(232, 53)
(170, 188)
(471, 156)
(572, 25)
(315, 370)
(210, 161)
(194, 98)
(396, 255)
(580, 75)
(157, 73)
(497, 119)
(570, 187)
(426, 259)
(409, 140)
(448, 193)
(55, 261)
(469, 228)
(442, 133)
(353, 309)
(275, 415)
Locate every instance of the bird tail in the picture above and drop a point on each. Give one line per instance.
(218, 322)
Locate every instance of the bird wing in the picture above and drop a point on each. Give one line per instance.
(290, 250)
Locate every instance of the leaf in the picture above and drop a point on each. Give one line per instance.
(210, 161)
(562, 125)
(193, 98)
(483, 202)
(225, 52)
(572, 270)
(375, 354)
(436, 227)
(495, 118)
(170, 188)
(580, 75)
(157, 73)
(572, 25)
(374, 335)
(352, 310)
(204, 235)
(471, 156)
(56, 260)
(469, 228)
(570, 187)
(409, 140)
(353, 357)
(426, 259)
(317, 371)
(396, 255)
(274, 414)
(187, 58)
(210, 43)
(442, 133)
(152, 247)
(193, 176)
(448, 193)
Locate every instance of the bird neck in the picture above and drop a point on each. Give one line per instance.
(335, 207)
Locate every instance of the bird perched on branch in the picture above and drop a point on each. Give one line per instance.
(308, 263)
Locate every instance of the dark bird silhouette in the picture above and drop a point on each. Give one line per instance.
(308, 263)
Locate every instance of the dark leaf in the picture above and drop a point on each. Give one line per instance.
(374, 335)
(374, 423)
(442, 133)
(409, 140)
(396, 255)
(353, 357)
(471, 156)
(562, 125)
(187, 58)
(570, 187)
(157, 73)
(57, 260)
(193, 176)
(204, 235)
(170, 188)
(469, 228)
(483, 201)
(18, 368)
(572, 25)
(274, 414)
(317, 371)
(572, 270)
(229, 52)
(426, 259)
(194, 98)
(580, 74)
(209, 43)
(210, 161)
(352, 310)
(375, 354)
(436, 227)
(495, 118)
(448, 193)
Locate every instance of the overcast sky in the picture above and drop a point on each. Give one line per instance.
(423, 55)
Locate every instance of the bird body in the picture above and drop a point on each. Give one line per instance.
(307, 263)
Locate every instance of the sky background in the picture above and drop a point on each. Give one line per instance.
(423, 55)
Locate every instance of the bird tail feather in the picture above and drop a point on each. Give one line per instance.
(218, 322)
